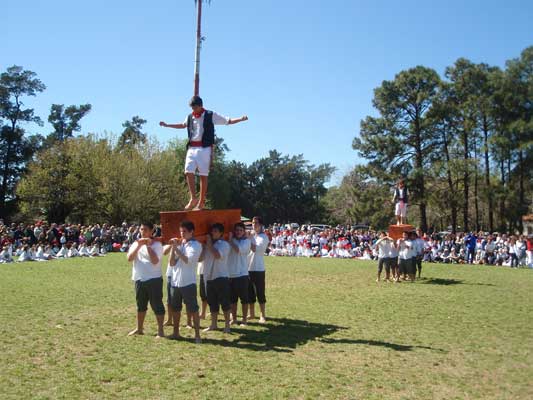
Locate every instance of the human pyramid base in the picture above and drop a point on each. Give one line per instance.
(229, 271)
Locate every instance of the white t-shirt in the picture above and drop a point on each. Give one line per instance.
(216, 268)
(184, 273)
(238, 261)
(198, 125)
(143, 269)
(406, 249)
(384, 248)
(257, 261)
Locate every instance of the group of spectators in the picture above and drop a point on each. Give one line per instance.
(43, 242)
(347, 242)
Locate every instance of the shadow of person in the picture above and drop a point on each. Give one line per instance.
(445, 282)
(277, 334)
(285, 335)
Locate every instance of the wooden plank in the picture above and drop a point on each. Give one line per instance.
(396, 231)
(202, 220)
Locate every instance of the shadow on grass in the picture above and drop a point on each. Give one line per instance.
(393, 346)
(284, 335)
(445, 282)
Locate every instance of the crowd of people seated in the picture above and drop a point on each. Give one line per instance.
(42, 241)
(345, 242)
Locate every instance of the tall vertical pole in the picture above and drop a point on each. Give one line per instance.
(198, 47)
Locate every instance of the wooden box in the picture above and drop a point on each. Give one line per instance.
(396, 231)
(202, 220)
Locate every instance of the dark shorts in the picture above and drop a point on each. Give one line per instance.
(418, 263)
(393, 262)
(407, 266)
(256, 287)
(218, 295)
(185, 294)
(384, 262)
(239, 289)
(203, 294)
(150, 291)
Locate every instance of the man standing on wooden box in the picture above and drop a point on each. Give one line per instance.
(400, 199)
(200, 126)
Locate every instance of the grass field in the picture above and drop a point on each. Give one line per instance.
(333, 332)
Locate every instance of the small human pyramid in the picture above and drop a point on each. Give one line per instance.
(229, 271)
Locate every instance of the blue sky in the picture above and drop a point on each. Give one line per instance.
(303, 71)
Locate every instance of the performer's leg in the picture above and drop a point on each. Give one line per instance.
(192, 191)
(203, 192)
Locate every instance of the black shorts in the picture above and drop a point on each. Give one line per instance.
(185, 294)
(218, 295)
(239, 289)
(257, 287)
(407, 266)
(384, 262)
(150, 291)
(203, 294)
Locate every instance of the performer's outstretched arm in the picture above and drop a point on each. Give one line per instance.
(175, 126)
(232, 121)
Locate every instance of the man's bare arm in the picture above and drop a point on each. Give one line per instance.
(232, 121)
(175, 126)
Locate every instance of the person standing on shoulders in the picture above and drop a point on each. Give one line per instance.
(200, 126)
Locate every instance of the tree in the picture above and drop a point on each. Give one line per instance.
(360, 198)
(15, 148)
(400, 141)
(66, 121)
(132, 134)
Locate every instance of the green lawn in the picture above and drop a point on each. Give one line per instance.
(333, 332)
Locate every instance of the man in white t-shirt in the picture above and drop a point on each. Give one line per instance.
(406, 253)
(200, 126)
(238, 271)
(146, 255)
(256, 269)
(216, 276)
(184, 258)
(383, 245)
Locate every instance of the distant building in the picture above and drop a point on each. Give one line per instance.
(527, 222)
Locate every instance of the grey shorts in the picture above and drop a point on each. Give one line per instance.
(407, 266)
(187, 295)
(150, 291)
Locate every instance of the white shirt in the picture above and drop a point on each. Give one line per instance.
(238, 261)
(184, 273)
(384, 248)
(143, 269)
(406, 249)
(216, 268)
(198, 125)
(257, 261)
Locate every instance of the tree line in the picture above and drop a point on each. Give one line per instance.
(88, 178)
(464, 143)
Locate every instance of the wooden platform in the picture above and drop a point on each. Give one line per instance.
(396, 231)
(202, 220)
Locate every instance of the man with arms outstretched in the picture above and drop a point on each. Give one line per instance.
(200, 126)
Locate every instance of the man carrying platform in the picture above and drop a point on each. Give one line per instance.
(200, 126)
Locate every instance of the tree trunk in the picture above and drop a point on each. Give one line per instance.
(476, 184)
(521, 193)
(451, 199)
(487, 175)
(466, 183)
(502, 197)
(419, 177)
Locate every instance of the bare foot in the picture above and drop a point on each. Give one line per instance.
(188, 326)
(199, 207)
(202, 316)
(243, 323)
(191, 204)
(169, 323)
(136, 332)
(160, 336)
(174, 337)
(262, 320)
(233, 322)
(210, 328)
